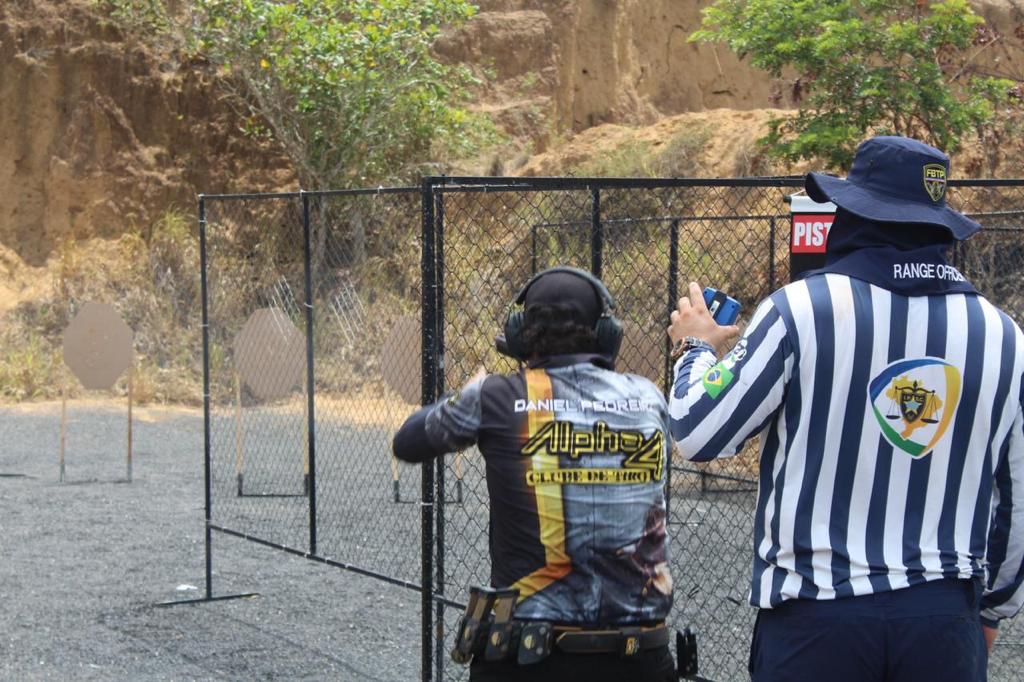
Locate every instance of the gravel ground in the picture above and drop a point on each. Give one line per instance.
(85, 563)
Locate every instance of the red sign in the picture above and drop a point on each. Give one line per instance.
(810, 232)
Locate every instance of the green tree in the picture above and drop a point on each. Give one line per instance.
(348, 87)
(862, 67)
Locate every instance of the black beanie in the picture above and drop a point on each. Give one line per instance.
(569, 291)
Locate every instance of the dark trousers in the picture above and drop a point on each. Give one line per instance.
(654, 665)
(926, 633)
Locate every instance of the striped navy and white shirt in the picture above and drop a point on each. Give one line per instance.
(892, 439)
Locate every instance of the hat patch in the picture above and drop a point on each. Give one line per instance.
(935, 180)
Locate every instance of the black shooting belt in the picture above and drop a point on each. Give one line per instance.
(532, 641)
(626, 641)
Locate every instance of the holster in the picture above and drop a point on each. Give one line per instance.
(686, 655)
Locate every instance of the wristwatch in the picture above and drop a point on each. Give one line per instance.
(687, 343)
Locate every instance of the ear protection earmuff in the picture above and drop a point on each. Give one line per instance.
(607, 328)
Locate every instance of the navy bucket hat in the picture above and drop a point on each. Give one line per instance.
(894, 180)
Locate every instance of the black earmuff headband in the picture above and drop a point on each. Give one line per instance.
(607, 327)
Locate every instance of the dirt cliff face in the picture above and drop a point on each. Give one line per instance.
(558, 67)
(630, 62)
(98, 136)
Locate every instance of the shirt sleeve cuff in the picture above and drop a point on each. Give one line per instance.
(990, 622)
(702, 347)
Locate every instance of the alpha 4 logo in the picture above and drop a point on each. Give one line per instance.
(643, 462)
(914, 402)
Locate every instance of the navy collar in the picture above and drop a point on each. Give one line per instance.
(922, 271)
(552, 361)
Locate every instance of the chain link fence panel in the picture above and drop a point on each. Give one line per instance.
(302, 467)
(405, 289)
(647, 240)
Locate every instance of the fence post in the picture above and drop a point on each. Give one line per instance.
(207, 458)
(596, 235)
(428, 328)
(206, 395)
(533, 249)
(771, 254)
(439, 473)
(310, 388)
(673, 298)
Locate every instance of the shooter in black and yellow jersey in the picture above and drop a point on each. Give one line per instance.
(576, 455)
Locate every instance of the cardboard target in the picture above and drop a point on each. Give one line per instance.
(270, 354)
(642, 352)
(401, 360)
(98, 345)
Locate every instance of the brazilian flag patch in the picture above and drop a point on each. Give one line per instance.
(717, 379)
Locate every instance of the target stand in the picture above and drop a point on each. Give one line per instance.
(97, 349)
(396, 488)
(270, 360)
(403, 350)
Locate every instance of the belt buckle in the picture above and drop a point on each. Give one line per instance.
(629, 642)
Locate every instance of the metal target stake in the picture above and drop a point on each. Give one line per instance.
(97, 349)
(459, 456)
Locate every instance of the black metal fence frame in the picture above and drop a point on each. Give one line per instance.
(311, 553)
(434, 598)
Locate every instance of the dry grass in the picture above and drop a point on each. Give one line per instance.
(154, 284)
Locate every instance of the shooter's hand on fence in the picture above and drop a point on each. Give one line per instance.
(692, 319)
